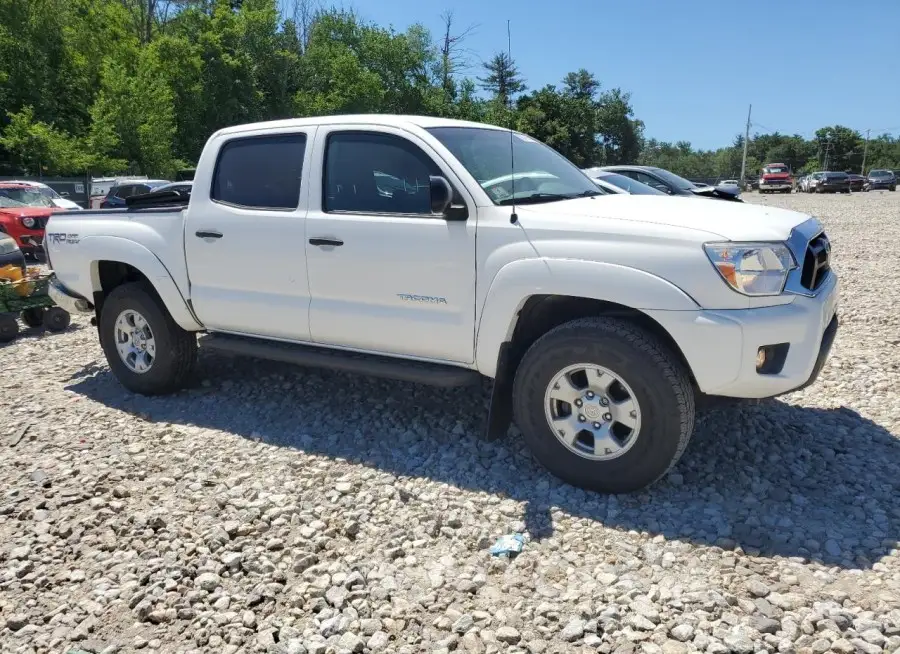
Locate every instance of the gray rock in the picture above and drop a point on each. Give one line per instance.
(674, 647)
(865, 647)
(16, 621)
(508, 635)
(764, 625)
(843, 646)
(378, 641)
(351, 642)
(208, 581)
(757, 588)
(739, 640)
(682, 632)
(573, 630)
(463, 624)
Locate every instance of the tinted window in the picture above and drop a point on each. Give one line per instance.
(260, 171)
(376, 173)
(627, 183)
(651, 181)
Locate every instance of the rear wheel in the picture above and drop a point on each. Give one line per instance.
(9, 327)
(603, 405)
(33, 317)
(146, 350)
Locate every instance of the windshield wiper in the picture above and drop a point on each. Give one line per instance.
(536, 198)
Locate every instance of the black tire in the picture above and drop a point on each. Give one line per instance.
(176, 349)
(33, 317)
(56, 319)
(9, 327)
(660, 384)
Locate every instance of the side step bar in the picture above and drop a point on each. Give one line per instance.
(365, 364)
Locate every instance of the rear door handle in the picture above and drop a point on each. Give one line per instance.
(208, 234)
(326, 241)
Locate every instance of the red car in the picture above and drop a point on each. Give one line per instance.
(775, 178)
(24, 212)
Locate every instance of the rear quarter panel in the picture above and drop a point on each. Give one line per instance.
(151, 241)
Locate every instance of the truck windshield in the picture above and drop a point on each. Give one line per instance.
(774, 170)
(541, 174)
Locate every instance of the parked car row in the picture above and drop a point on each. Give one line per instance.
(838, 182)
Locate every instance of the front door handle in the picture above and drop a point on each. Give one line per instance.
(326, 241)
(208, 234)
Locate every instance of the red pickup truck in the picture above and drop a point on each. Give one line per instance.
(24, 213)
(775, 178)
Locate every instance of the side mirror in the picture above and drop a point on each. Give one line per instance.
(441, 194)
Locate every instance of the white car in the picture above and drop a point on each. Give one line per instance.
(52, 195)
(597, 316)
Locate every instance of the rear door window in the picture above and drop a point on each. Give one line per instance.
(260, 172)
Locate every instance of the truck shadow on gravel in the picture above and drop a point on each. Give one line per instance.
(772, 478)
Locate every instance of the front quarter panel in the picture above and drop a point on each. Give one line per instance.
(518, 280)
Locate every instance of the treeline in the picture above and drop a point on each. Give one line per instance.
(137, 86)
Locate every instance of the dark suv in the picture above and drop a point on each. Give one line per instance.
(118, 193)
(881, 179)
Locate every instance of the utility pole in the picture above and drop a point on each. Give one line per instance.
(827, 148)
(862, 171)
(746, 138)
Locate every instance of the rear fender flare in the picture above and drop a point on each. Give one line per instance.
(114, 248)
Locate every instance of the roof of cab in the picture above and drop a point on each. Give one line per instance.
(362, 119)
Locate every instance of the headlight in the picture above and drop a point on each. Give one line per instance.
(752, 268)
(28, 222)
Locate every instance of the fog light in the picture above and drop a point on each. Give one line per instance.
(760, 358)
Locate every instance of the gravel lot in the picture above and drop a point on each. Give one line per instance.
(273, 509)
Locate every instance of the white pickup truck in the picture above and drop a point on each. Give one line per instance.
(406, 247)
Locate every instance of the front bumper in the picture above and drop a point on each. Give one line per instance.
(873, 186)
(721, 346)
(769, 186)
(68, 300)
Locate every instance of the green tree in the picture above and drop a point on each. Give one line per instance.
(502, 80)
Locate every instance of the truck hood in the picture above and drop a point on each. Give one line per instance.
(734, 221)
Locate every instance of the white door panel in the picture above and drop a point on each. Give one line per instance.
(400, 283)
(253, 278)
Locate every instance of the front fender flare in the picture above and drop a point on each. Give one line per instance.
(518, 280)
(122, 250)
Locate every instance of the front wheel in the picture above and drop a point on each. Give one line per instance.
(145, 348)
(604, 405)
(9, 327)
(56, 319)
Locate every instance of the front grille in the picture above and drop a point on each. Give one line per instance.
(816, 263)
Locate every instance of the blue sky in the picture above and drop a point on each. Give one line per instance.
(694, 66)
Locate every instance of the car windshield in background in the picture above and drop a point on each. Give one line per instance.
(774, 170)
(26, 196)
(880, 173)
(542, 175)
(48, 192)
(673, 179)
(631, 185)
(837, 176)
(8, 203)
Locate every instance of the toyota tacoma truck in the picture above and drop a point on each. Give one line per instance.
(445, 252)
